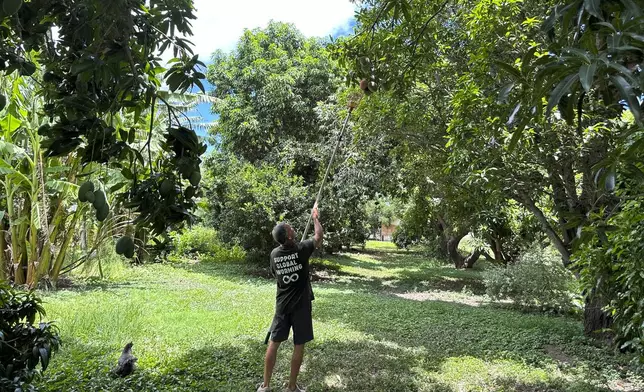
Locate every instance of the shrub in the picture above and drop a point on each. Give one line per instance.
(403, 237)
(245, 202)
(23, 345)
(205, 242)
(537, 281)
(611, 267)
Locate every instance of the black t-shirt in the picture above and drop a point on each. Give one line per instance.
(290, 265)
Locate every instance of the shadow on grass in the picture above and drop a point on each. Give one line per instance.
(442, 330)
(403, 280)
(332, 274)
(348, 366)
(332, 366)
(507, 384)
(217, 368)
(97, 284)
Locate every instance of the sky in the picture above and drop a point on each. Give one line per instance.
(219, 24)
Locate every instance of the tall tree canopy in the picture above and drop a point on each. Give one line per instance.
(268, 90)
(281, 106)
(533, 97)
(81, 85)
(104, 60)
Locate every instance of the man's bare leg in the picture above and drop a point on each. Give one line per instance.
(296, 362)
(269, 363)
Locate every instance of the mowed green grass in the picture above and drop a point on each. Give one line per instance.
(384, 320)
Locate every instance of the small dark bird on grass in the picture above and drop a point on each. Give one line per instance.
(126, 362)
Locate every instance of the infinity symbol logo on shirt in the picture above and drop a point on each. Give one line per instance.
(288, 279)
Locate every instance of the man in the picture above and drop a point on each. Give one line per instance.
(290, 265)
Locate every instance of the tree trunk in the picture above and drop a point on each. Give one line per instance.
(141, 253)
(19, 242)
(16, 252)
(472, 258)
(58, 220)
(452, 250)
(83, 236)
(547, 227)
(62, 252)
(596, 321)
(442, 238)
(57, 223)
(497, 249)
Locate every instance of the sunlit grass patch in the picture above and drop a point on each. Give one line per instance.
(385, 322)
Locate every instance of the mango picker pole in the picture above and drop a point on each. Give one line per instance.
(352, 104)
(328, 168)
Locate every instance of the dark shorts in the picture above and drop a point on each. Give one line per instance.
(301, 322)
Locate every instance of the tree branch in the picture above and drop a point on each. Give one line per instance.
(422, 31)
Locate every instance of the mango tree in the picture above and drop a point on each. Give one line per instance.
(535, 94)
(93, 62)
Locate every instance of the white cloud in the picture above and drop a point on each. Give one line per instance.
(220, 23)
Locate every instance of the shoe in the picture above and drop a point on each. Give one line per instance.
(297, 389)
(262, 388)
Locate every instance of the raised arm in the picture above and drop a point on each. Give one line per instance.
(317, 236)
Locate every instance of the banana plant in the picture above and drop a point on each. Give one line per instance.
(31, 181)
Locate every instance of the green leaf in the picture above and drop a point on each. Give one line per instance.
(137, 114)
(131, 136)
(127, 173)
(627, 94)
(81, 67)
(406, 11)
(174, 80)
(118, 187)
(44, 356)
(57, 169)
(624, 71)
(587, 75)
(527, 57)
(518, 132)
(627, 48)
(580, 54)
(549, 23)
(200, 85)
(505, 92)
(11, 149)
(636, 172)
(9, 123)
(509, 69)
(635, 36)
(59, 185)
(3, 101)
(607, 25)
(594, 8)
(514, 114)
(632, 8)
(139, 157)
(562, 88)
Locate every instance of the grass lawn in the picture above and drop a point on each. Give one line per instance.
(384, 320)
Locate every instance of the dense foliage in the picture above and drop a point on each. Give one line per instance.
(268, 91)
(246, 201)
(520, 108)
(537, 281)
(204, 243)
(80, 90)
(281, 111)
(23, 344)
